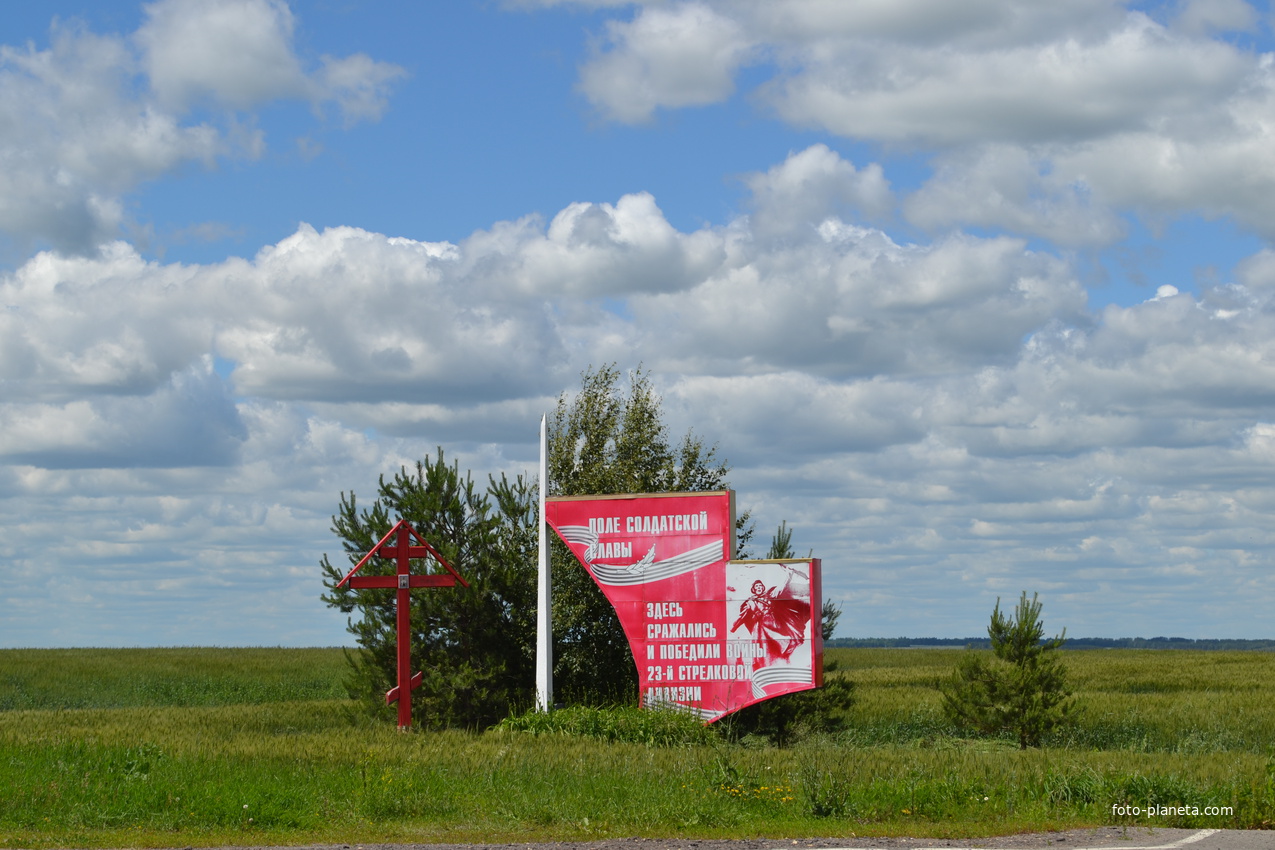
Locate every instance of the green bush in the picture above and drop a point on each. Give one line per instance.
(791, 718)
(657, 728)
(794, 717)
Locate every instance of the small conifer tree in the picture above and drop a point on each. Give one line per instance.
(471, 645)
(1022, 690)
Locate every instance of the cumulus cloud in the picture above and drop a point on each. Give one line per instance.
(810, 186)
(240, 55)
(1204, 16)
(980, 23)
(72, 139)
(177, 556)
(683, 56)
(345, 317)
(1066, 89)
(593, 249)
(90, 117)
(1052, 118)
(340, 314)
(190, 421)
(947, 408)
(1002, 187)
(1258, 271)
(853, 303)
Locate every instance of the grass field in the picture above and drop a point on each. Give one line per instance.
(203, 746)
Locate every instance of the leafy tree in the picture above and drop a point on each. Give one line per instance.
(606, 440)
(473, 647)
(1022, 690)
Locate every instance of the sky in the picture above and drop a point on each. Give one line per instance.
(978, 297)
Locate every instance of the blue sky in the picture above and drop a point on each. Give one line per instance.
(978, 297)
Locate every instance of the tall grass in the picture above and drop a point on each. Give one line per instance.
(223, 762)
(1175, 701)
(277, 771)
(123, 678)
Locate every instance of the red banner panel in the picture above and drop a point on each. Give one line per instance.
(709, 634)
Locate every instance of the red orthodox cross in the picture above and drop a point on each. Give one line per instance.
(402, 554)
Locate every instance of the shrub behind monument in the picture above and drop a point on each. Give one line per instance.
(789, 718)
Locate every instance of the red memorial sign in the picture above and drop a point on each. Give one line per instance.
(708, 633)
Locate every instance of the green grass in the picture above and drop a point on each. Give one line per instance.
(127, 678)
(1142, 700)
(154, 747)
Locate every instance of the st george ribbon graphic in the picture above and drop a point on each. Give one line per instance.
(709, 634)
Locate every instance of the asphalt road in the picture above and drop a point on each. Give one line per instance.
(1124, 838)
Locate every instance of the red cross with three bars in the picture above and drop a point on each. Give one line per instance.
(402, 552)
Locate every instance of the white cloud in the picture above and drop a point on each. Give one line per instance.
(112, 324)
(188, 556)
(340, 314)
(810, 186)
(358, 321)
(684, 56)
(1049, 119)
(238, 53)
(1002, 187)
(89, 118)
(1205, 16)
(977, 24)
(1070, 88)
(1258, 271)
(938, 413)
(792, 415)
(855, 304)
(190, 421)
(592, 249)
(72, 139)
(351, 315)
(358, 84)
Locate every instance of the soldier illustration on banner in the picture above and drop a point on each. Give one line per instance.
(708, 633)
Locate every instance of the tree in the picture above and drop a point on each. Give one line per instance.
(780, 548)
(475, 648)
(1023, 690)
(603, 440)
(472, 646)
(781, 543)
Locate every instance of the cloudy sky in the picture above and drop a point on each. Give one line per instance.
(979, 296)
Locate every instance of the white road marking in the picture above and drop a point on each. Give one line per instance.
(1181, 842)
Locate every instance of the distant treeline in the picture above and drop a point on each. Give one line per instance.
(1072, 643)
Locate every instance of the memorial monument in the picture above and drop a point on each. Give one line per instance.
(709, 634)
